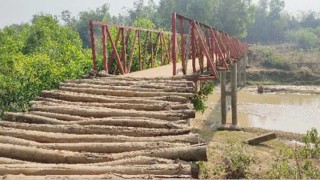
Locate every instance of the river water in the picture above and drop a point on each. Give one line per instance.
(286, 112)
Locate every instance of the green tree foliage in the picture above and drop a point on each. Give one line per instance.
(81, 22)
(271, 22)
(36, 57)
(305, 38)
(232, 16)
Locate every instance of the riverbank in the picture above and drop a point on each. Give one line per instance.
(255, 161)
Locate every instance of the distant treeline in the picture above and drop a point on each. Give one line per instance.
(264, 23)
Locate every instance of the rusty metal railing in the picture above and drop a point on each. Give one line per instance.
(219, 48)
(153, 46)
(123, 46)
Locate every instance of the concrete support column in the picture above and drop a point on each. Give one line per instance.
(239, 71)
(234, 87)
(245, 69)
(223, 82)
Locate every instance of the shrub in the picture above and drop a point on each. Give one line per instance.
(199, 98)
(36, 57)
(237, 162)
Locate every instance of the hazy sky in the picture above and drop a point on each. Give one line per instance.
(17, 11)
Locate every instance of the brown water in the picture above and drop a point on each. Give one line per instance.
(286, 112)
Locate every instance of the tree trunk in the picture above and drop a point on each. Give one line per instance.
(132, 88)
(48, 137)
(30, 118)
(107, 112)
(63, 117)
(26, 153)
(102, 81)
(70, 169)
(123, 93)
(86, 177)
(82, 97)
(95, 129)
(133, 123)
(144, 107)
(91, 147)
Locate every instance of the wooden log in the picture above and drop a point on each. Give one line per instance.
(136, 106)
(108, 112)
(103, 75)
(109, 147)
(4, 160)
(63, 117)
(96, 129)
(49, 137)
(261, 139)
(17, 141)
(189, 153)
(141, 81)
(101, 81)
(123, 93)
(82, 97)
(132, 88)
(139, 160)
(91, 147)
(123, 121)
(143, 107)
(186, 153)
(30, 118)
(117, 121)
(86, 177)
(133, 123)
(155, 169)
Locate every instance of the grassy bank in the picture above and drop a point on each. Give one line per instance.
(229, 157)
(284, 64)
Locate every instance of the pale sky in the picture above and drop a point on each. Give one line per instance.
(18, 11)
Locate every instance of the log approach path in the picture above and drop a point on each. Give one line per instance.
(104, 127)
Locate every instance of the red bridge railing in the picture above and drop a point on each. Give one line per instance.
(219, 48)
(123, 46)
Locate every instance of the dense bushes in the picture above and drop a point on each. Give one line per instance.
(36, 57)
(271, 60)
(305, 38)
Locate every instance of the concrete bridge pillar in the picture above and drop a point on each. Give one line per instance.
(234, 87)
(232, 93)
(223, 83)
(239, 72)
(245, 62)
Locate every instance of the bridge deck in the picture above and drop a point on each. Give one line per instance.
(164, 71)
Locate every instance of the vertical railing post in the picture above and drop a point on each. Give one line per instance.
(182, 45)
(124, 54)
(193, 47)
(174, 44)
(94, 64)
(139, 49)
(105, 51)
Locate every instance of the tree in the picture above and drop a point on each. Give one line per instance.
(270, 22)
(81, 24)
(36, 57)
(232, 16)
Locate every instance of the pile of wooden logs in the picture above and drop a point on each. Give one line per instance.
(106, 127)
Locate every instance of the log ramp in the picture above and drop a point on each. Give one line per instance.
(102, 128)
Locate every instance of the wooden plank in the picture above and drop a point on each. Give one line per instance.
(262, 138)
